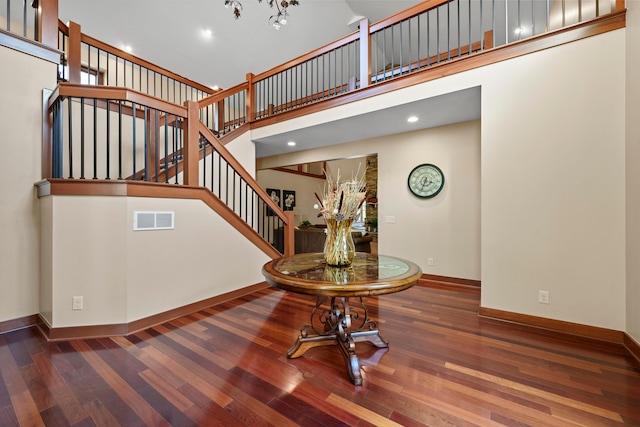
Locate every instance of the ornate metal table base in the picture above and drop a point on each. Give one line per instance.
(339, 324)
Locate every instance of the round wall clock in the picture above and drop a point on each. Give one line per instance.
(426, 180)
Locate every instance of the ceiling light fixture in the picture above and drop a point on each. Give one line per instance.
(291, 144)
(277, 20)
(412, 119)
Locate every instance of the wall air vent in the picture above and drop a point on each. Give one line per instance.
(153, 220)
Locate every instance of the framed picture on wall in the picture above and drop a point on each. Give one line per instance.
(275, 195)
(288, 200)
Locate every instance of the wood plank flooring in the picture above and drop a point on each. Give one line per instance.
(226, 366)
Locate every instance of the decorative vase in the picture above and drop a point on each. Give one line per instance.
(339, 248)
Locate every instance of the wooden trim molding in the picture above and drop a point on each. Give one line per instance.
(576, 329)
(19, 323)
(632, 345)
(454, 280)
(98, 331)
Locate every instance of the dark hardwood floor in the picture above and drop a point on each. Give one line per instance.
(227, 365)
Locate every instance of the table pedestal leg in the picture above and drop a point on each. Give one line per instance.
(337, 321)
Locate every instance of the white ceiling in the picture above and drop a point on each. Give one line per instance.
(441, 110)
(169, 33)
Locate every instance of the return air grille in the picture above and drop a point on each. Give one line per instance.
(153, 220)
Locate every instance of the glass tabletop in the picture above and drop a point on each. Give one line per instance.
(369, 274)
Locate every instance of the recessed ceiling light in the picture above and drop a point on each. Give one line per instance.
(207, 32)
(214, 87)
(519, 30)
(128, 48)
(412, 119)
(291, 144)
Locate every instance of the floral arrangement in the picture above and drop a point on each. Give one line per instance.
(342, 200)
(339, 207)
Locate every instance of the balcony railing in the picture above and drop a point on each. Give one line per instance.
(427, 35)
(92, 62)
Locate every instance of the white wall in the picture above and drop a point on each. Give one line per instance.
(304, 186)
(445, 228)
(552, 178)
(125, 275)
(22, 78)
(632, 87)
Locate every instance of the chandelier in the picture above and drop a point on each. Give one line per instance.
(277, 20)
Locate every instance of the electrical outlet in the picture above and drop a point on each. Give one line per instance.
(430, 261)
(77, 303)
(543, 297)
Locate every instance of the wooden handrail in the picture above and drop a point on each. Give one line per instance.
(116, 94)
(220, 95)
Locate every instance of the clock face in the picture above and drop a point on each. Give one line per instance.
(426, 180)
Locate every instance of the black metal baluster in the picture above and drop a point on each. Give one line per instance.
(204, 161)
(384, 53)
(108, 109)
(24, 18)
(133, 109)
(146, 142)
(401, 47)
(82, 138)
(166, 148)
(481, 27)
(95, 138)
(119, 139)
(438, 35)
(70, 130)
(428, 39)
(448, 31)
(226, 189)
(56, 143)
(213, 168)
(176, 134)
(459, 41)
(219, 176)
(157, 143)
(240, 198)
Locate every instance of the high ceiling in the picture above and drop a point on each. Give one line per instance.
(170, 33)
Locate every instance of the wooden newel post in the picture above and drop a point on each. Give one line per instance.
(289, 234)
(47, 21)
(365, 54)
(191, 150)
(251, 102)
(75, 52)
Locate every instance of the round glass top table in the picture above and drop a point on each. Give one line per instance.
(340, 316)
